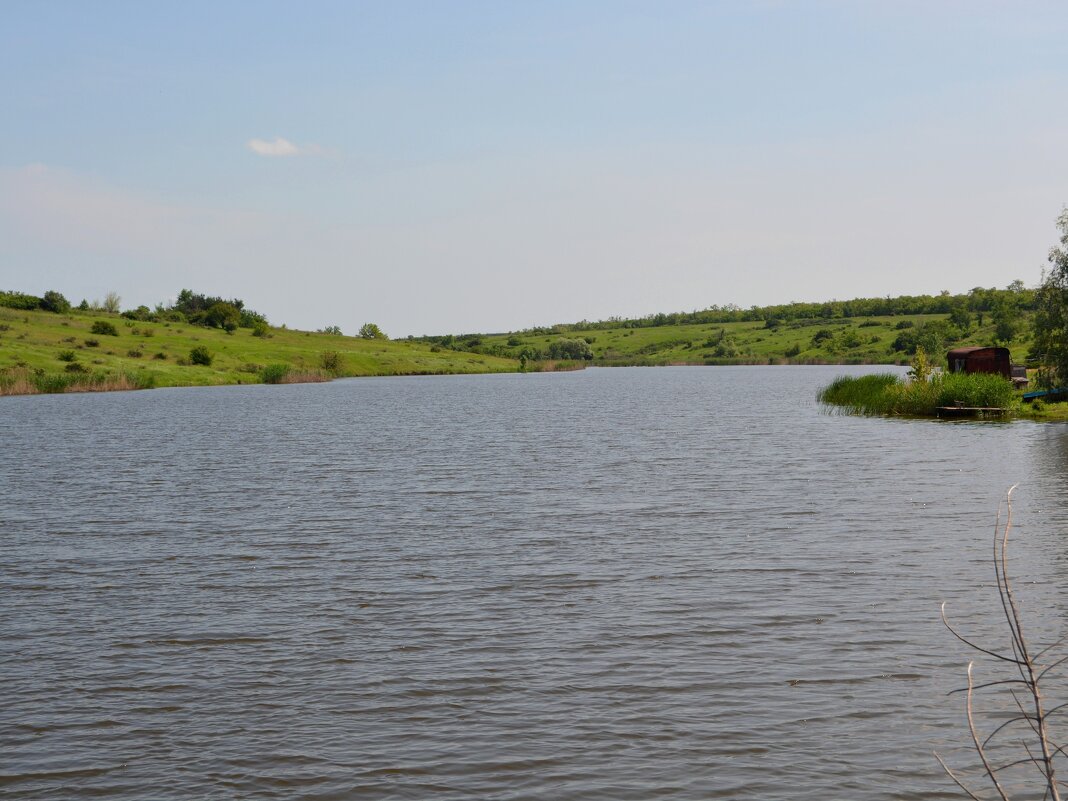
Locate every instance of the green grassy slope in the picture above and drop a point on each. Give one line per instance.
(847, 341)
(157, 354)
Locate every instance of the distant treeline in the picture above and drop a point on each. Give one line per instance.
(190, 307)
(977, 301)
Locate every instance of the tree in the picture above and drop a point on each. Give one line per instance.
(960, 317)
(112, 302)
(55, 302)
(1051, 317)
(371, 331)
(222, 315)
(1006, 318)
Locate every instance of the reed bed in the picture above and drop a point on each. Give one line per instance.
(885, 393)
(22, 381)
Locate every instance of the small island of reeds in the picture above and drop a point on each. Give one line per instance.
(889, 394)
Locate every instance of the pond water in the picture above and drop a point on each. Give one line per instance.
(631, 583)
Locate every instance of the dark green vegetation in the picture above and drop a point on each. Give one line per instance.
(861, 331)
(884, 393)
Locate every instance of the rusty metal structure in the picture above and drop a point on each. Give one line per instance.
(980, 360)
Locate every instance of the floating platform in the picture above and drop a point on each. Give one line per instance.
(970, 411)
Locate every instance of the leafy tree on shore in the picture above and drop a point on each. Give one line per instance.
(1051, 318)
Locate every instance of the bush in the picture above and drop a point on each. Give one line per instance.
(134, 354)
(75, 367)
(104, 328)
(66, 356)
(161, 356)
(92, 343)
(330, 360)
(570, 349)
(200, 355)
(20, 300)
(903, 325)
(274, 373)
(261, 330)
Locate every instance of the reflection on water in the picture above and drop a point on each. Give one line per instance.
(629, 583)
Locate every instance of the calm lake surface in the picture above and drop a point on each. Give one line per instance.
(659, 583)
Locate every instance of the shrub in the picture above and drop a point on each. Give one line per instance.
(92, 343)
(104, 328)
(261, 330)
(330, 360)
(274, 373)
(200, 355)
(75, 367)
(134, 353)
(570, 349)
(793, 350)
(20, 300)
(903, 325)
(161, 356)
(66, 356)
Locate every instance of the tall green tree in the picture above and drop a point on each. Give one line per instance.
(1051, 317)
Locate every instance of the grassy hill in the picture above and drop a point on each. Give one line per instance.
(867, 340)
(45, 351)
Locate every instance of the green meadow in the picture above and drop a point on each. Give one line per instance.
(42, 351)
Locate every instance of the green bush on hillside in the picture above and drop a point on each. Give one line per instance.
(200, 355)
(104, 328)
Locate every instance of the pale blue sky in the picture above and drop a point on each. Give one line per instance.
(440, 167)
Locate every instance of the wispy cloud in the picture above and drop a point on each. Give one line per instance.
(275, 147)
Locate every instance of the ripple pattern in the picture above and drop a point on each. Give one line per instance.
(671, 583)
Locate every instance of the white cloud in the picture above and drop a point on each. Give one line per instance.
(277, 147)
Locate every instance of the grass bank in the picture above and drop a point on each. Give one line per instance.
(885, 393)
(42, 352)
